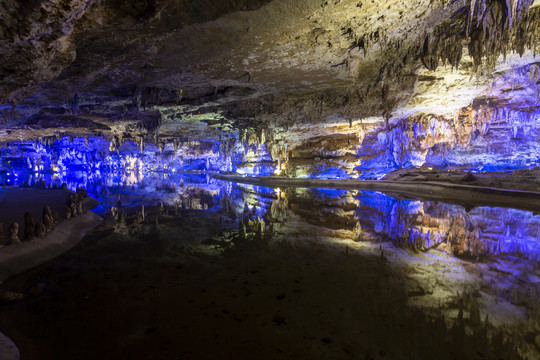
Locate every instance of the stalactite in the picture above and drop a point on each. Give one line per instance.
(114, 145)
(489, 27)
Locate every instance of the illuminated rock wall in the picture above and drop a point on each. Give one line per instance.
(73, 159)
(499, 130)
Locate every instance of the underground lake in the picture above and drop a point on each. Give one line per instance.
(188, 266)
(270, 179)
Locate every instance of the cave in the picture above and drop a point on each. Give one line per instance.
(271, 179)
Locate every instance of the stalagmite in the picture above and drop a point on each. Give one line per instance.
(114, 213)
(2, 236)
(40, 230)
(122, 220)
(13, 233)
(80, 207)
(28, 225)
(47, 218)
(73, 207)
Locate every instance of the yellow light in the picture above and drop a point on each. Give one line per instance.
(277, 172)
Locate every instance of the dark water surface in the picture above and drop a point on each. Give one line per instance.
(211, 269)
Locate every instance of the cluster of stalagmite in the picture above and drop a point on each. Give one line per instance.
(75, 204)
(143, 223)
(49, 218)
(30, 231)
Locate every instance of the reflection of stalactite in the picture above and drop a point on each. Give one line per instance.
(140, 141)
(278, 209)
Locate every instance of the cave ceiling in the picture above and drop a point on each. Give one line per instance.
(205, 69)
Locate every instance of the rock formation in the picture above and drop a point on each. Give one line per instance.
(333, 89)
(55, 216)
(114, 213)
(28, 226)
(40, 229)
(13, 234)
(68, 212)
(47, 218)
(73, 207)
(80, 207)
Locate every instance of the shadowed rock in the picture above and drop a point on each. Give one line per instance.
(47, 222)
(47, 218)
(40, 230)
(13, 234)
(80, 207)
(68, 212)
(2, 237)
(28, 225)
(73, 207)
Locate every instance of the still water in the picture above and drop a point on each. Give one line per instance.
(193, 267)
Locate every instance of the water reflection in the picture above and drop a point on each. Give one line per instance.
(375, 216)
(444, 250)
(368, 215)
(481, 261)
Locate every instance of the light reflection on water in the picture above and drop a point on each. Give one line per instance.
(444, 250)
(421, 225)
(369, 215)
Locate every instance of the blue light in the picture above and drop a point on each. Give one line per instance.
(329, 172)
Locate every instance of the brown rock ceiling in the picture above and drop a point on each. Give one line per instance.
(301, 60)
